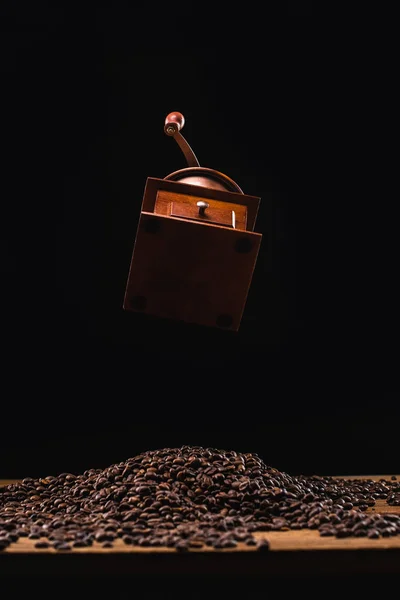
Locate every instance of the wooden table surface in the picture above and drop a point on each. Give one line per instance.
(293, 552)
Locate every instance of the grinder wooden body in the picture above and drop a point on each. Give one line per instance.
(195, 248)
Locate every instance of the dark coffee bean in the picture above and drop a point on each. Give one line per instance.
(143, 541)
(360, 533)
(263, 545)
(196, 544)
(42, 544)
(388, 531)
(128, 539)
(327, 531)
(22, 532)
(8, 526)
(182, 546)
(4, 539)
(373, 533)
(103, 536)
(79, 544)
(251, 542)
(342, 533)
(61, 546)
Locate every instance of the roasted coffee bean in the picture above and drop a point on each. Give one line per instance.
(188, 498)
(79, 544)
(42, 544)
(373, 533)
(61, 546)
(263, 545)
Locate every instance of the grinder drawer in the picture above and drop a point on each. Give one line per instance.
(206, 210)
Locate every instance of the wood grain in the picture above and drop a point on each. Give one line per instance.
(181, 205)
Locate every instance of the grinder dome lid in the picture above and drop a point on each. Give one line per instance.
(194, 174)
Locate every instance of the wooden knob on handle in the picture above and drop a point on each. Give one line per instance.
(174, 123)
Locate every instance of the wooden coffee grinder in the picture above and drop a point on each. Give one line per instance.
(195, 249)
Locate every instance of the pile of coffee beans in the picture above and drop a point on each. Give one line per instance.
(190, 498)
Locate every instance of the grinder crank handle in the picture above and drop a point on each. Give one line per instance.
(174, 122)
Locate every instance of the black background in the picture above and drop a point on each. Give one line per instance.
(310, 380)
